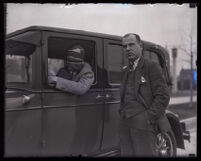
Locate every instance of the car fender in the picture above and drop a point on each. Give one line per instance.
(176, 128)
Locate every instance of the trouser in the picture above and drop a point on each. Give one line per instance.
(135, 141)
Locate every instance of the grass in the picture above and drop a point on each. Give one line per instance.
(183, 110)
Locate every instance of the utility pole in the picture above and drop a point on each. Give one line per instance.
(174, 74)
(191, 74)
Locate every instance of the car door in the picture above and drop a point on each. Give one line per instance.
(114, 60)
(22, 123)
(72, 124)
(23, 96)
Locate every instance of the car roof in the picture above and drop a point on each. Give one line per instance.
(63, 30)
(76, 32)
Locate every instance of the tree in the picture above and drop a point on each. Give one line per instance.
(191, 53)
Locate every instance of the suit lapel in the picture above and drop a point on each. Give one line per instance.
(123, 84)
(138, 74)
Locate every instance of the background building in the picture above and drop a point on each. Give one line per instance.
(184, 79)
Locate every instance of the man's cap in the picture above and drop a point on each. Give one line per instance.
(76, 54)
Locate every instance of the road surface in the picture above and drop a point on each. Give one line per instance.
(179, 100)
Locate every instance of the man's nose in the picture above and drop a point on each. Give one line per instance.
(127, 48)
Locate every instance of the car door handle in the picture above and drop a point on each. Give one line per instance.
(108, 96)
(99, 96)
(26, 99)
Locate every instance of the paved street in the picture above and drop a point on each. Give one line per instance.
(190, 148)
(184, 99)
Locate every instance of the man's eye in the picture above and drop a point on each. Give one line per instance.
(124, 46)
(132, 44)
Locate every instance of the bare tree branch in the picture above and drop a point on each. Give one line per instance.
(184, 50)
(186, 60)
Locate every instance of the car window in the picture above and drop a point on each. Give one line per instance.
(18, 64)
(151, 56)
(57, 49)
(18, 69)
(115, 62)
(55, 64)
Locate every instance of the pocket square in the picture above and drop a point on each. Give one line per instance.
(143, 80)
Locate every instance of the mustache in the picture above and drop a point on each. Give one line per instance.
(131, 56)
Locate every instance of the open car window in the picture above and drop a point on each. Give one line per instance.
(57, 51)
(55, 64)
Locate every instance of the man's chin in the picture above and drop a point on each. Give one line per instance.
(131, 59)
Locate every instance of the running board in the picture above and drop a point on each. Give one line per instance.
(112, 153)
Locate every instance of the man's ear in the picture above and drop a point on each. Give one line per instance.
(141, 45)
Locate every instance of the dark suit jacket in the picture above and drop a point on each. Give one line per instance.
(151, 91)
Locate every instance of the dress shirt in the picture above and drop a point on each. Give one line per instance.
(135, 63)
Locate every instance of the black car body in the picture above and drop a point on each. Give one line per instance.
(43, 121)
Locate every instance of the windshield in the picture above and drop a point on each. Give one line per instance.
(19, 56)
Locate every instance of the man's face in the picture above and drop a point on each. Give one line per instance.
(131, 47)
(74, 62)
(75, 67)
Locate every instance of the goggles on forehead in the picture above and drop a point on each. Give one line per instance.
(77, 50)
(75, 54)
(73, 59)
(74, 63)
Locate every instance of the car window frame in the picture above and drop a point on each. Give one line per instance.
(163, 62)
(36, 61)
(98, 63)
(108, 84)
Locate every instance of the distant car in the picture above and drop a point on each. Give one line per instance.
(43, 121)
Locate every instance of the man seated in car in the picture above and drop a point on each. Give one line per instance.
(77, 76)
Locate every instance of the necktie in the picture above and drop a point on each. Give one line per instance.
(131, 63)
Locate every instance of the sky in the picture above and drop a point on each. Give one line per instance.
(169, 25)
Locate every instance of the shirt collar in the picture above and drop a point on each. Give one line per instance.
(135, 64)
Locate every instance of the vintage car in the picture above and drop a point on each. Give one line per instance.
(43, 121)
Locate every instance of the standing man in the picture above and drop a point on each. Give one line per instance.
(144, 98)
